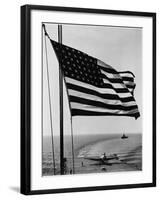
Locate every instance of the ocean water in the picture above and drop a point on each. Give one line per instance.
(129, 152)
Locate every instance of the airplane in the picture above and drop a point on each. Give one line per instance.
(103, 159)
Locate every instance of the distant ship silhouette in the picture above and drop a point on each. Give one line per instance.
(124, 136)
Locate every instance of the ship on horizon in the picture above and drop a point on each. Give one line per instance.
(124, 136)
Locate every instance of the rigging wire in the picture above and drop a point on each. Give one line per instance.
(72, 146)
(50, 105)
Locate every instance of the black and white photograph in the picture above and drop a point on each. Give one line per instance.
(92, 83)
(88, 109)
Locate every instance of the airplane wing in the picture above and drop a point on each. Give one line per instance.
(111, 157)
(93, 158)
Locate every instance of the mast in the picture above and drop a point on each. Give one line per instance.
(61, 107)
(62, 159)
(61, 113)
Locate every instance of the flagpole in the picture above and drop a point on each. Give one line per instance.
(61, 107)
(61, 113)
(72, 139)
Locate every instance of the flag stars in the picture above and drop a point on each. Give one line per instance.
(66, 73)
(101, 83)
(79, 66)
(82, 63)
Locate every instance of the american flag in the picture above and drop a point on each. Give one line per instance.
(94, 87)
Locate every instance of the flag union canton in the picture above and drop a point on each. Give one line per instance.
(94, 87)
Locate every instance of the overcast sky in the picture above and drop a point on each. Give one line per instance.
(120, 47)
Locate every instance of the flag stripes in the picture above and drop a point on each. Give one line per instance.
(100, 104)
(98, 94)
(124, 78)
(100, 109)
(96, 98)
(87, 88)
(82, 112)
(95, 88)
